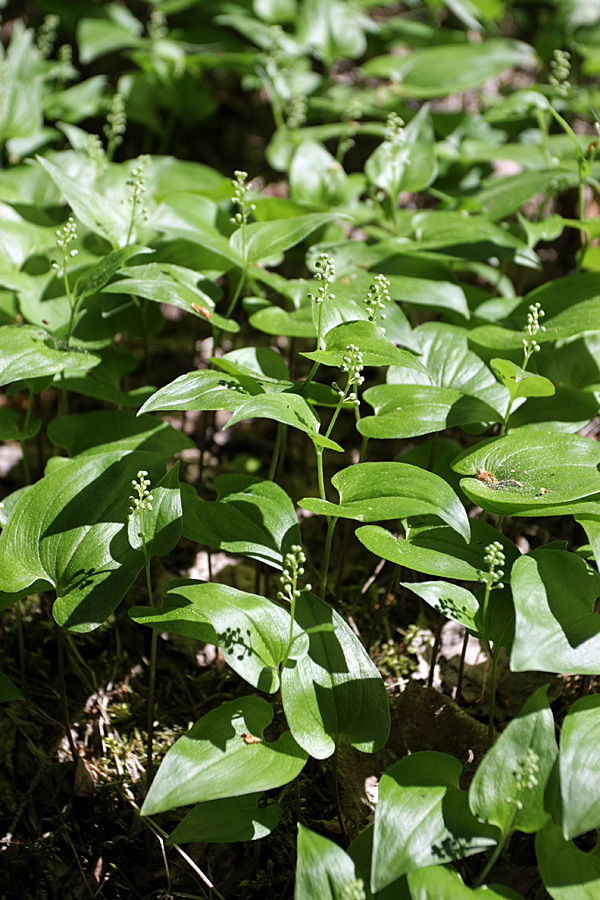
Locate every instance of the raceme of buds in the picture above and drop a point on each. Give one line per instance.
(144, 497)
(394, 129)
(240, 190)
(525, 776)
(495, 558)
(560, 70)
(533, 328)
(293, 569)
(47, 35)
(378, 296)
(64, 236)
(325, 274)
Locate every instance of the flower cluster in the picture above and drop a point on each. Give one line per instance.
(47, 35)
(560, 69)
(352, 363)
(325, 274)
(144, 497)
(116, 124)
(525, 776)
(240, 191)
(530, 345)
(157, 25)
(137, 185)
(494, 557)
(378, 296)
(394, 130)
(293, 569)
(64, 236)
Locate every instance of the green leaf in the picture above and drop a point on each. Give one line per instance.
(335, 689)
(556, 628)
(69, 532)
(289, 409)
(95, 278)
(268, 240)
(376, 349)
(29, 352)
(500, 792)
(202, 390)
(451, 600)
(439, 71)
(162, 523)
(227, 821)
(372, 492)
(435, 882)
(410, 165)
(213, 760)
(100, 215)
(568, 410)
(323, 870)
(252, 517)
(426, 292)
(536, 473)
(87, 433)
(438, 550)
(567, 872)
(423, 817)
(503, 196)
(519, 382)
(403, 411)
(578, 767)
(252, 632)
(8, 691)
(276, 321)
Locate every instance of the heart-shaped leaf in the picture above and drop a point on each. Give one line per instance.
(375, 347)
(28, 352)
(205, 389)
(567, 872)
(423, 817)
(87, 433)
(519, 382)
(556, 628)
(225, 755)
(70, 532)
(530, 474)
(289, 409)
(509, 785)
(252, 632)
(335, 689)
(252, 517)
(372, 492)
(323, 870)
(435, 882)
(438, 549)
(578, 767)
(227, 821)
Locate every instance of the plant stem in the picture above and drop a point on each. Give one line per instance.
(63, 692)
(492, 713)
(498, 849)
(320, 473)
(331, 523)
(336, 794)
(279, 441)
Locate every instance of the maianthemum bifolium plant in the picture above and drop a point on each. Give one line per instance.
(413, 330)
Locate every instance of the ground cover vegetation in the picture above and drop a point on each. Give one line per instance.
(299, 347)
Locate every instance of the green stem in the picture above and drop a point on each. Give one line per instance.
(332, 522)
(492, 712)
(320, 473)
(498, 849)
(63, 692)
(279, 441)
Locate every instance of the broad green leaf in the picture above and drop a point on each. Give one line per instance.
(227, 821)
(268, 240)
(421, 291)
(115, 30)
(436, 882)
(509, 785)
(294, 323)
(252, 632)
(571, 304)
(568, 410)
(8, 691)
(451, 600)
(439, 71)
(361, 852)
(376, 349)
(423, 817)
(519, 382)
(205, 389)
(503, 196)
(102, 431)
(323, 869)
(531, 473)
(252, 517)
(9, 426)
(438, 550)
(372, 492)
(567, 872)
(403, 411)
(173, 285)
(556, 627)
(215, 759)
(184, 215)
(70, 532)
(289, 409)
(94, 279)
(450, 364)
(335, 689)
(578, 767)
(469, 236)
(28, 352)
(316, 176)
(96, 212)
